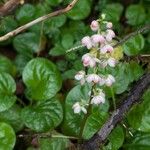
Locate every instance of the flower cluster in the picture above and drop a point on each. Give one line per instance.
(98, 57)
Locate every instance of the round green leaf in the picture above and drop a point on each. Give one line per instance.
(57, 50)
(27, 43)
(25, 14)
(7, 89)
(67, 41)
(80, 11)
(72, 122)
(44, 116)
(42, 79)
(7, 137)
(7, 66)
(12, 117)
(135, 14)
(142, 122)
(116, 139)
(113, 14)
(134, 45)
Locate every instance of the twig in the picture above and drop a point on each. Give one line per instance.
(133, 98)
(8, 7)
(142, 29)
(38, 20)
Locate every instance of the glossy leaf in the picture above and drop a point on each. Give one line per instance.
(72, 122)
(44, 116)
(12, 117)
(42, 79)
(134, 45)
(7, 89)
(7, 137)
(135, 14)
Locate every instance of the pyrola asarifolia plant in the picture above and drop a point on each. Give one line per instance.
(99, 56)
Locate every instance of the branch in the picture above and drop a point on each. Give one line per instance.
(8, 7)
(38, 20)
(142, 29)
(133, 98)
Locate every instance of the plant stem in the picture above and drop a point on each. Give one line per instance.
(113, 98)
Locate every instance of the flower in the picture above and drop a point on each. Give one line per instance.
(109, 25)
(93, 78)
(106, 49)
(109, 80)
(94, 25)
(86, 41)
(88, 60)
(77, 108)
(102, 81)
(111, 62)
(98, 99)
(80, 77)
(97, 38)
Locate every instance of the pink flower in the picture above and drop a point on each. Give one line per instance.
(98, 99)
(110, 35)
(109, 25)
(93, 78)
(97, 39)
(94, 25)
(106, 49)
(111, 62)
(88, 60)
(102, 81)
(86, 41)
(80, 77)
(109, 80)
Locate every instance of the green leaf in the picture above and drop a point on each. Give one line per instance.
(27, 43)
(7, 66)
(44, 116)
(135, 14)
(7, 137)
(25, 14)
(142, 110)
(54, 143)
(134, 45)
(7, 89)
(81, 10)
(67, 41)
(116, 139)
(12, 117)
(53, 2)
(138, 142)
(57, 50)
(72, 122)
(113, 14)
(42, 79)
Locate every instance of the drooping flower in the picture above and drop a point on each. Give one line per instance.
(94, 25)
(93, 78)
(80, 76)
(110, 35)
(109, 25)
(98, 99)
(97, 39)
(88, 60)
(106, 49)
(77, 108)
(109, 80)
(111, 62)
(86, 41)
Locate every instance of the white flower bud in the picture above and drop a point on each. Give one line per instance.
(93, 78)
(106, 49)
(109, 80)
(88, 60)
(86, 41)
(111, 33)
(80, 75)
(109, 25)
(97, 39)
(111, 62)
(94, 25)
(76, 108)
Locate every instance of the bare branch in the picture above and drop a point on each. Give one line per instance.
(8, 7)
(38, 20)
(133, 98)
(141, 30)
